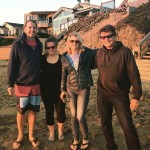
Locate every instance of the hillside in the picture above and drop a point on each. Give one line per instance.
(130, 28)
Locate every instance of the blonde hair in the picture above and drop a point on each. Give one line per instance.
(80, 44)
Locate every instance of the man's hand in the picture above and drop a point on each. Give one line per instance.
(11, 91)
(134, 104)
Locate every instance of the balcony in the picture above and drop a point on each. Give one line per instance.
(44, 24)
(67, 24)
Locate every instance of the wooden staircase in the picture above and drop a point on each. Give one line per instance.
(145, 47)
(144, 68)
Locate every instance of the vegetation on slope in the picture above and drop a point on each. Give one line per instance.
(139, 19)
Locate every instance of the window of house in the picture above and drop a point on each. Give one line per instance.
(41, 18)
(60, 15)
(65, 13)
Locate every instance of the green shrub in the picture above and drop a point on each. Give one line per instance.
(6, 41)
(42, 35)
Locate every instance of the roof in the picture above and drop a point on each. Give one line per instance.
(3, 27)
(61, 9)
(86, 5)
(14, 24)
(41, 12)
(74, 8)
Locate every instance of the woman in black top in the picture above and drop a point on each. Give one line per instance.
(50, 88)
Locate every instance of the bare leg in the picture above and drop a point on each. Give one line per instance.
(51, 130)
(51, 133)
(20, 125)
(31, 122)
(60, 129)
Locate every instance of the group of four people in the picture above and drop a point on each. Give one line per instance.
(57, 77)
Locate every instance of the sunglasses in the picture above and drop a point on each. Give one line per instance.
(75, 41)
(51, 47)
(108, 36)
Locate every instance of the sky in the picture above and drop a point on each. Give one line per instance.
(14, 10)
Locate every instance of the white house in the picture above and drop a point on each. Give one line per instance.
(14, 28)
(3, 30)
(64, 17)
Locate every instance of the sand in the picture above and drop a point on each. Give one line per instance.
(8, 129)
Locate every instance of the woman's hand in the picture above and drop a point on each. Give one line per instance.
(64, 96)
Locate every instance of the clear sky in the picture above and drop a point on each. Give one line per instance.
(14, 10)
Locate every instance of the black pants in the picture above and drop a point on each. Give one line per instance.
(121, 105)
(51, 100)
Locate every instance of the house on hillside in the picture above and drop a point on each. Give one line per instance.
(3, 30)
(43, 20)
(64, 17)
(13, 28)
(134, 3)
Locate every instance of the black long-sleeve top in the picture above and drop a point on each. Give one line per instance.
(24, 63)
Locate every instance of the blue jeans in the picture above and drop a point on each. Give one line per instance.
(78, 105)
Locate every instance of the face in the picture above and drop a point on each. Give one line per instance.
(74, 43)
(108, 39)
(30, 29)
(51, 48)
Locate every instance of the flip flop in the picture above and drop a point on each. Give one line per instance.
(61, 137)
(16, 144)
(35, 142)
(75, 146)
(85, 146)
(51, 138)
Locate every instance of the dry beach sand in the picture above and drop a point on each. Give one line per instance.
(8, 129)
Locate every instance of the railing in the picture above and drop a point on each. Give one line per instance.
(44, 24)
(145, 45)
(67, 24)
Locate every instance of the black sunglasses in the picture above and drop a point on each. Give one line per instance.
(108, 36)
(75, 41)
(51, 47)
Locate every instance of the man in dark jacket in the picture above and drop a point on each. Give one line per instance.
(117, 73)
(23, 79)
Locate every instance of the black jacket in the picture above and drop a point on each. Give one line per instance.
(118, 71)
(24, 63)
(81, 78)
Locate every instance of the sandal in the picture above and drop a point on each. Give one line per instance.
(51, 138)
(35, 142)
(61, 137)
(16, 144)
(75, 146)
(85, 146)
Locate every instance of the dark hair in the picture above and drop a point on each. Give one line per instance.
(108, 28)
(51, 39)
(25, 24)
